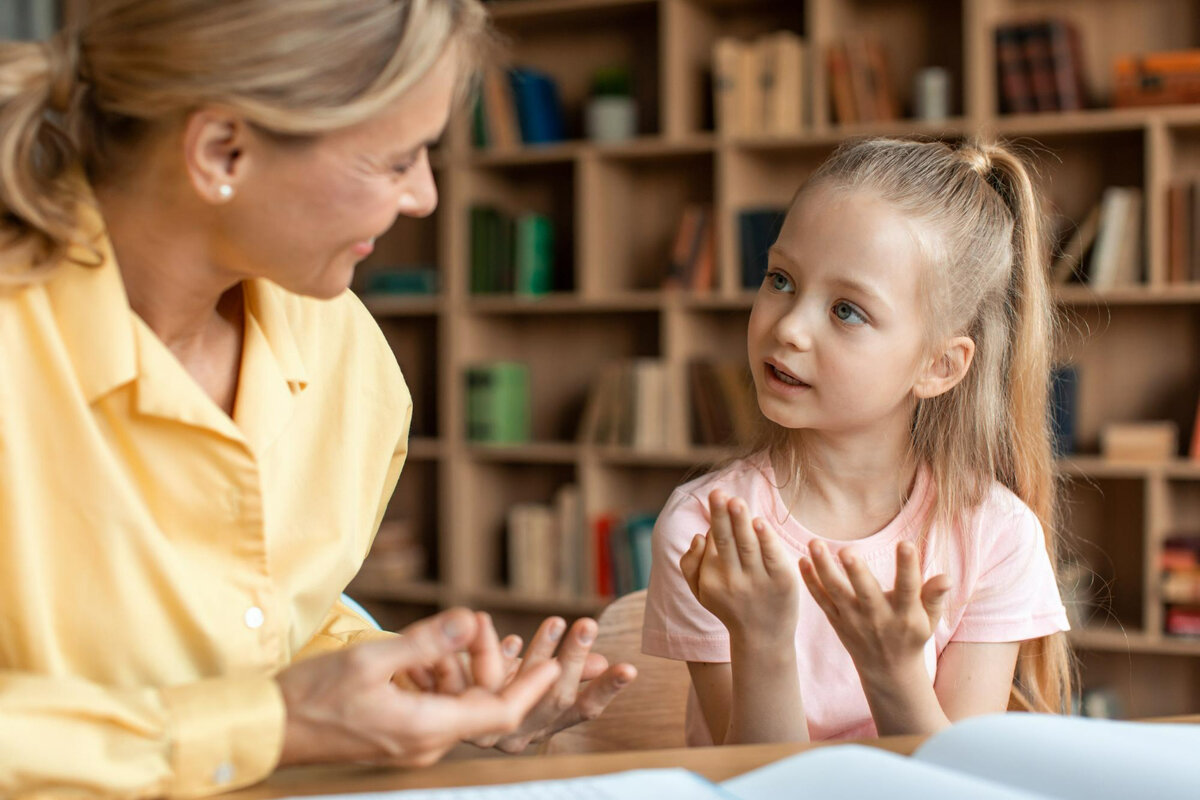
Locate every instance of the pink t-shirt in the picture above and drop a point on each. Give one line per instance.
(1003, 589)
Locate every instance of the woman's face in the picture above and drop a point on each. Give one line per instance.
(306, 214)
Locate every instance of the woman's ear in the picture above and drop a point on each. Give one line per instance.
(946, 369)
(214, 153)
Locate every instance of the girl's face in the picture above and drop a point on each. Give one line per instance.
(836, 340)
(312, 211)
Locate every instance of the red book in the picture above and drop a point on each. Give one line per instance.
(1035, 41)
(1066, 58)
(1194, 452)
(602, 526)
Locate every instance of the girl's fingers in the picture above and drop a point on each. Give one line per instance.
(933, 597)
(774, 557)
(745, 540)
(720, 535)
(832, 577)
(450, 675)
(809, 573)
(866, 588)
(908, 576)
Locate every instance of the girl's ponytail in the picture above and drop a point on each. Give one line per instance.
(38, 83)
(1027, 467)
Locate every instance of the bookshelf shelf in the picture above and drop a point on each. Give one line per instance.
(615, 210)
(382, 305)
(536, 453)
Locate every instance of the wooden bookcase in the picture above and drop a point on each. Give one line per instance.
(615, 209)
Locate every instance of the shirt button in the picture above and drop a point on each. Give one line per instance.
(223, 774)
(254, 617)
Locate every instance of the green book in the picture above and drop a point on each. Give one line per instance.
(534, 255)
(498, 403)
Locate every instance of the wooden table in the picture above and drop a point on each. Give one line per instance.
(714, 763)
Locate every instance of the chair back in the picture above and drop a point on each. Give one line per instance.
(649, 713)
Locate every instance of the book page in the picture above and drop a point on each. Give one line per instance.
(852, 770)
(643, 784)
(1073, 758)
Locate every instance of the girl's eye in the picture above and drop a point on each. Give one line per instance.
(400, 169)
(847, 313)
(778, 281)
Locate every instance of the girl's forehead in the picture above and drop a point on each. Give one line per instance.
(851, 227)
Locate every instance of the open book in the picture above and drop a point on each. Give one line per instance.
(997, 757)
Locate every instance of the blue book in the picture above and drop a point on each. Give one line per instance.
(1064, 390)
(539, 108)
(758, 228)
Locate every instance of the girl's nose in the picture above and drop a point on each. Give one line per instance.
(795, 328)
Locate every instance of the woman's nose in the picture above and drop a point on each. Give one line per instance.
(418, 194)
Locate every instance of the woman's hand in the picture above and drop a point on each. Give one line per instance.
(344, 706)
(884, 632)
(742, 574)
(585, 686)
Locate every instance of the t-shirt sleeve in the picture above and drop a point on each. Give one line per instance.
(1015, 596)
(676, 625)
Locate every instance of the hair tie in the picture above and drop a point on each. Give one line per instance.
(62, 55)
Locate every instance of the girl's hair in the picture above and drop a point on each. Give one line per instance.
(296, 69)
(982, 240)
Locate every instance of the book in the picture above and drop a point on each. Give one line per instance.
(1066, 58)
(1016, 756)
(1194, 450)
(1072, 258)
(1117, 253)
(1015, 89)
(499, 110)
(758, 228)
(1039, 64)
(691, 260)
(841, 86)
(533, 255)
(782, 57)
(727, 57)
(498, 409)
(1140, 441)
(1064, 399)
(539, 108)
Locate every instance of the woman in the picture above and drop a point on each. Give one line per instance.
(199, 426)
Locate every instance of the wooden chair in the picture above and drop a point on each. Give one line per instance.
(649, 713)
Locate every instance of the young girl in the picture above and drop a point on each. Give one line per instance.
(900, 348)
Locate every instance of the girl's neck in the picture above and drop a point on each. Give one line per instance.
(851, 486)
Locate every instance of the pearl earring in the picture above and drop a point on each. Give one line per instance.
(225, 191)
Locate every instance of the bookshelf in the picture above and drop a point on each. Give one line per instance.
(615, 208)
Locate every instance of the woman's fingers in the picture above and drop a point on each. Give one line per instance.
(488, 667)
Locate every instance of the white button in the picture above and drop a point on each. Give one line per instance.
(223, 774)
(254, 617)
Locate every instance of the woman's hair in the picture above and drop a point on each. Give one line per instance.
(297, 69)
(981, 238)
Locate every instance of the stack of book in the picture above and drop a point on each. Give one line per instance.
(1039, 65)
(498, 410)
(759, 85)
(723, 408)
(1183, 232)
(511, 254)
(397, 553)
(859, 81)
(1180, 589)
(629, 405)
(520, 106)
(757, 229)
(621, 552)
(415, 279)
(547, 546)
(1105, 249)
(1155, 79)
(692, 264)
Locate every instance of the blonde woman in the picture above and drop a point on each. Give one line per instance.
(200, 426)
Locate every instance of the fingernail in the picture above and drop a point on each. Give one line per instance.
(587, 636)
(451, 629)
(816, 548)
(556, 630)
(848, 558)
(512, 647)
(759, 525)
(620, 681)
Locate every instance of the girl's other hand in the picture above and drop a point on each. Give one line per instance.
(742, 574)
(884, 632)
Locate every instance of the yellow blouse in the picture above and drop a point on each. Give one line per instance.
(159, 561)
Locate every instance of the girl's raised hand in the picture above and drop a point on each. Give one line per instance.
(884, 632)
(742, 574)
